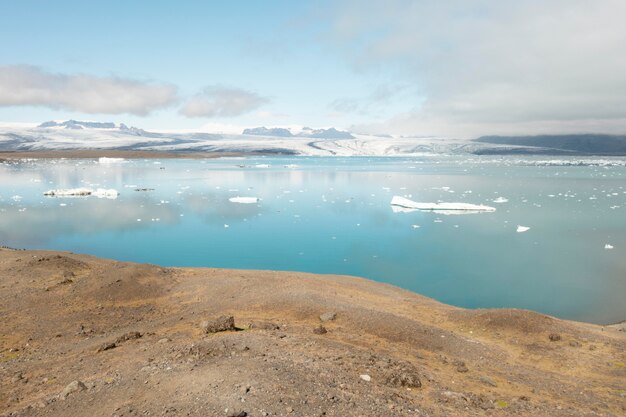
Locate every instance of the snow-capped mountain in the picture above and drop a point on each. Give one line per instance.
(82, 135)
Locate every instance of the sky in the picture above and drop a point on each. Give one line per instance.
(425, 68)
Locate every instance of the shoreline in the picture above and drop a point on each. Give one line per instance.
(90, 336)
(98, 153)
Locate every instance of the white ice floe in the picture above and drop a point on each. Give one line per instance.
(608, 246)
(501, 200)
(448, 207)
(83, 192)
(105, 193)
(262, 166)
(105, 160)
(69, 192)
(522, 229)
(244, 200)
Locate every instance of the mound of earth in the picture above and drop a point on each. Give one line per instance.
(83, 336)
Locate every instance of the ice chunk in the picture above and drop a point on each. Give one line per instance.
(522, 229)
(409, 204)
(104, 193)
(105, 160)
(69, 192)
(82, 192)
(501, 200)
(608, 246)
(244, 200)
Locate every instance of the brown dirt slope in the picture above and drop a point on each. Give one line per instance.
(82, 336)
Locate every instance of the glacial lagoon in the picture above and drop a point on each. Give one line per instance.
(333, 215)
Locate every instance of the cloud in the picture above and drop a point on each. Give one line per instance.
(486, 65)
(378, 99)
(23, 85)
(222, 102)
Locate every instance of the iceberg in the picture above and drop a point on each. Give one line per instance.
(522, 229)
(82, 192)
(448, 207)
(501, 200)
(69, 192)
(608, 246)
(244, 200)
(105, 160)
(104, 193)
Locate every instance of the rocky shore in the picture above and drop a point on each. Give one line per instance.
(82, 336)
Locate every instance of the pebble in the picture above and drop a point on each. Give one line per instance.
(365, 377)
(328, 316)
(72, 387)
(320, 330)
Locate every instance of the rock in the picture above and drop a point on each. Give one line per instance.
(18, 377)
(329, 316)
(554, 337)
(107, 346)
(365, 377)
(320, 330)
(264, 325)
(238, 413)
(128, 336)
(461, 367)
(220, 324)
(488, 381)
(405, 377)
(163, 340)
(72, 387)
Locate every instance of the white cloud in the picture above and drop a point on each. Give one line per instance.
(485, 66)
(23, 85)
(222, 102)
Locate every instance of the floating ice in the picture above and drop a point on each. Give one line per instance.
(522, 229)
(104, 193)
(82, 192)
(500, 200)
(105, 160)
(608, 246)
(409, 204)
(244, 200)
(262, 166)
(69, 192)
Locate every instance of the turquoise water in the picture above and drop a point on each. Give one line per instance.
(332, 215)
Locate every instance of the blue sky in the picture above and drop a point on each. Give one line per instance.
(447, 68)
(274, 49)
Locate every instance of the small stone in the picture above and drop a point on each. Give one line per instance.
(107, 346)
(163, 340)
(365, 377)
(264, 325)
(407, 378)
(220, 324)
(461, 367)
(320, 330)
(128, 336)
(554, 337)
(488, 381)
(329, 316)
(72, 387)
(238, 414)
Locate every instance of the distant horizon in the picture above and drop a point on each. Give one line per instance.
(295, 129)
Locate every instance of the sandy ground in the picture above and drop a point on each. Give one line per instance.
(97, 153)
(82, 336)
